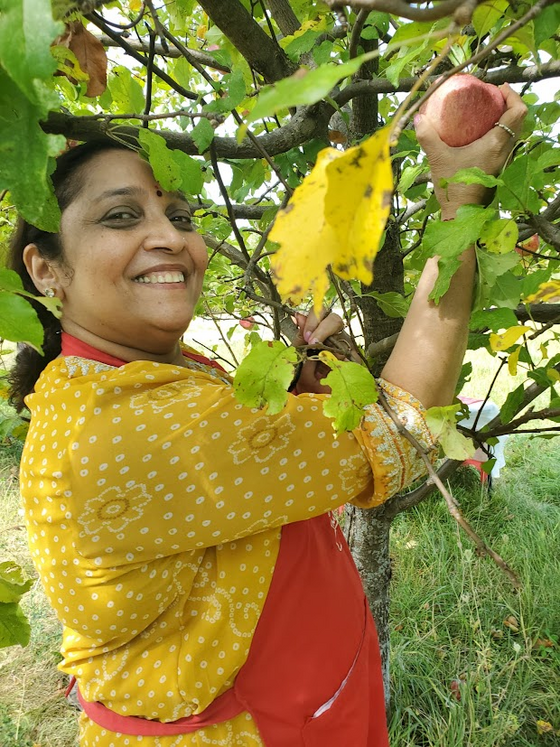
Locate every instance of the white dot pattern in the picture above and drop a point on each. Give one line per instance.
(169, 516)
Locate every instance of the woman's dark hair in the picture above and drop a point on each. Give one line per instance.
(68, 180)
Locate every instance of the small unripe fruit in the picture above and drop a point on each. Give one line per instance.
(463, 109)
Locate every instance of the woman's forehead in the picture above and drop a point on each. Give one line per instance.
(117, 169)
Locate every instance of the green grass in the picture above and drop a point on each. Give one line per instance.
(449, 607)
(33, 710)
(448, 612)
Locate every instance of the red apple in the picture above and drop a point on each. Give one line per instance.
(463, 109)
(531, 244)
(247, 323)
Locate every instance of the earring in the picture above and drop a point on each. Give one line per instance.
(49, 292)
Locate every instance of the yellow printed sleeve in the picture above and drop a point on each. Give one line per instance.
(151, 459)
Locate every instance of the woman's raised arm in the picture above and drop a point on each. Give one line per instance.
(427, 358)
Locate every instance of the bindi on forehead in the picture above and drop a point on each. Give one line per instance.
(159, 193)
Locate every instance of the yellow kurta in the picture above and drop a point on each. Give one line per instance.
(154, 503)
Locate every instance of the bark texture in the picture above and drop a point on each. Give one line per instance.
(261, 51)
(367, 533)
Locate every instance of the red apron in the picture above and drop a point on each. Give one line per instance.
(315, 641)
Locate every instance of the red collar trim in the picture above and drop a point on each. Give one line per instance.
(73, 346)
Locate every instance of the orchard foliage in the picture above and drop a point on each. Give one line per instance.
(237, 102)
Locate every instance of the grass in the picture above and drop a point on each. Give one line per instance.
(471, 662)
(449, 639)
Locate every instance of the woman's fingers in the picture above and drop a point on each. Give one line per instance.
(312, 330)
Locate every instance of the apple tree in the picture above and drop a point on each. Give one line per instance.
(233, 101)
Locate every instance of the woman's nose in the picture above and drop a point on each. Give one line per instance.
(162, 234)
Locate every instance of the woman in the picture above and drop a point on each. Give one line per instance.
(184, 540)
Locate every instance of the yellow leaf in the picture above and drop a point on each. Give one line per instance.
(307, 242)
(543, 727)
(553, 375)
(547, 292)
(335, 217)
(506, 339)
(135, 5)
(513, 359)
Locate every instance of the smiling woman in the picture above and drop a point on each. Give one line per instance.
(133, 265)
(186, 542)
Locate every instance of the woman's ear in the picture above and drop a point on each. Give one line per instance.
(44, 275)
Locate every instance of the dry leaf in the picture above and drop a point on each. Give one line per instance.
(335, 218)
(543, 727)
(544, 642)
(512, 623)
(90, 53)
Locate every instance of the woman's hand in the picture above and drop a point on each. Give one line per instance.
(313, 331)
(488, 153)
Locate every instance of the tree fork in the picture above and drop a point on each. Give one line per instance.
(261, 52)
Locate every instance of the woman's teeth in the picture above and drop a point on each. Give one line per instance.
(164, 277)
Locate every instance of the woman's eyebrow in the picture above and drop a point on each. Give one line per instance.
(119, 192)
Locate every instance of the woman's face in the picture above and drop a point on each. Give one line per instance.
(135, 263)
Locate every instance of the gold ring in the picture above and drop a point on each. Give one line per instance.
(509, 131)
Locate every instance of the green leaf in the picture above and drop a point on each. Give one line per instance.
(202, 134)
(26, 32)
(190, 172)
(264, 376)
(442, 422)
(519, 182)
(126, 92)
(19, 321)
(234, 84)
(545, 23)
(14, 628)
(500, 236)
(166, 169)
(511, 406)
(25, 151)
(449, 239)
(473, 175)
(10, 280)
(494, 319)
(352, 388)
(13, 584)
(408, 176)
(392, 304)
(493, 288)
(487, 15)
(303, 87)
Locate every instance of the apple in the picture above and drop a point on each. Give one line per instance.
(247, 323)
(463, 109)
(531, 244)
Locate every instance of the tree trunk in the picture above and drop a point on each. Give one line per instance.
(388, 275)
(367, 533)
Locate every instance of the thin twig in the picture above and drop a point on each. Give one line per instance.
(452, 504)
(224, 339)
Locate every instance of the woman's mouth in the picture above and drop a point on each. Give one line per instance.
(151, 278)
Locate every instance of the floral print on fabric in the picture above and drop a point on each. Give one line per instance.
(262, 439)
(163, 397)
(114, 509)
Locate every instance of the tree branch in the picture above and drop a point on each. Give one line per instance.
(143, 46)
(118, 38)
(463, 8)
(511, 74)
(284, 15)
(306, 124)
(452, 504)
(261, 52)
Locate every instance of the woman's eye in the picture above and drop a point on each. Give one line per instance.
(182, 221)
(121, 215)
